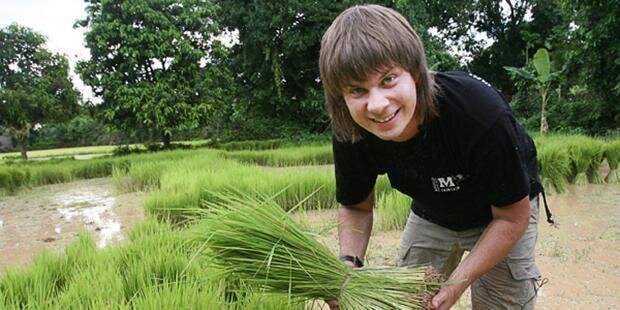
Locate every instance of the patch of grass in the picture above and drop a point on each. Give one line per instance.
(63, 151)
(293, 156)
(156, 267)
(393, 209)
(251, 145)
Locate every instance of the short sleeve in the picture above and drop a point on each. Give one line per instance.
(501, 171)
(355, 173)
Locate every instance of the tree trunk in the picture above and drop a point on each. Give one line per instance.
(23, 147)
(544, 126)
(166, 140)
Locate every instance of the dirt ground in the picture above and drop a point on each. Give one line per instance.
(580, 259)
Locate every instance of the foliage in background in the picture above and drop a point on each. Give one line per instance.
(35, 87)
(592, 54)
(542, 79)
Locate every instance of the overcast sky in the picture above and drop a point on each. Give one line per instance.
(54, 19)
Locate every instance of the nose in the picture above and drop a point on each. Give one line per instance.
(377, 102)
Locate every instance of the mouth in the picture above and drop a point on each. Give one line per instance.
(385, 119)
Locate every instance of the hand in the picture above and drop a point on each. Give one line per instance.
(333, 304)
(447, 297)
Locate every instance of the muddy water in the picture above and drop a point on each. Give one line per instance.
(51, 216)
(580, 259)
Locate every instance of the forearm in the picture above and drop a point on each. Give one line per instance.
(355, 226)
(494, 244)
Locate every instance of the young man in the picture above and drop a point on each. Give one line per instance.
(450, 141)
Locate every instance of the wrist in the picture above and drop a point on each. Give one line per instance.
(356, 261)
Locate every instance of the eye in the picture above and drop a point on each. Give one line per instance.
(389, 80)
(356, 91)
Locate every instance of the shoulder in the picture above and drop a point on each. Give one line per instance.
(469, 100)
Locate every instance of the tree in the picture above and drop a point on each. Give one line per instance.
(513, 28)
(278, 50)
(592, 54)
(150, 61)
(277, 58)
(542, 78)
(34, 84)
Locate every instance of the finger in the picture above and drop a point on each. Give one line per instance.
(333, 304)
(437, 300)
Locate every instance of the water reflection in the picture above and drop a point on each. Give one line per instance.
(51, 216)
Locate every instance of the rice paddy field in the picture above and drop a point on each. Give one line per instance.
(120, 232)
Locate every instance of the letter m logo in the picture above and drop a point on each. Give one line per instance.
(445, 182)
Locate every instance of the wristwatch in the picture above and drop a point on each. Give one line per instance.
(354, 259)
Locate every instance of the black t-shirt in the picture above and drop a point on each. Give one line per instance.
(473, 156)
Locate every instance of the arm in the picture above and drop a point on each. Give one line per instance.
(355, 225)
(508, 225)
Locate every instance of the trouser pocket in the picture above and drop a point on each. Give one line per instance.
(509, 285)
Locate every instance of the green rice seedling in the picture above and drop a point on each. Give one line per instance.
(47, 174)
(612, 154)
(36, 286)
(96, 285)
(258, 300)
(555, 166)
(180, 295)
(582, 153)
(594, 169)
(296, 185)
(94, 168)
(291, 156)
(143, 176)
(12, 178)
(64, 151)
(251, 145)
(393, 210)
(156, 255)
(255, 240)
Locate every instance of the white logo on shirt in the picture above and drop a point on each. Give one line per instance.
(447, 184)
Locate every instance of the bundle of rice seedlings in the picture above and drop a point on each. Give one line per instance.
(254, 240)
(554, 167)
(582, 154)
(612, 154)
(596, 152)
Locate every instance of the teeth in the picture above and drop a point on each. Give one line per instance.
(383, 120)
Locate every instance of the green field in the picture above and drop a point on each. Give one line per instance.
(161, 266)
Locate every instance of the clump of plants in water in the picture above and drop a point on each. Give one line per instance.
(586, 157)
(612, 154)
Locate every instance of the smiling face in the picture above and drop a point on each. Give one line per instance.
(384, 104)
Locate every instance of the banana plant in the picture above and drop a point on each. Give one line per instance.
(542, 78)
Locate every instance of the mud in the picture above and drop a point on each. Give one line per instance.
(49, 217)
(579, 259)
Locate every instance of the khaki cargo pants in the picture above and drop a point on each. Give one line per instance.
(511, 284)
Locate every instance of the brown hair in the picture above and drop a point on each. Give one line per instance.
(361, 41)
